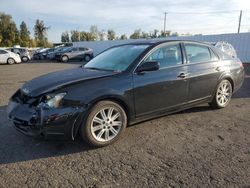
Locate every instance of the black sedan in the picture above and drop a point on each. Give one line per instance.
(124, 85)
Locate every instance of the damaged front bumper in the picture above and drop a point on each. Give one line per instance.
(50, 123)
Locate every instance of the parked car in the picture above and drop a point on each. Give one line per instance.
(8, 57)
(70, 53)
(40, 54)
(51, 55)
(22, 52)
(124, 85)
(226, 47)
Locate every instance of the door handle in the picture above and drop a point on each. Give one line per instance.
(218, 68)
(182, 75)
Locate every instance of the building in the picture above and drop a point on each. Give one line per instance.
(240, 41)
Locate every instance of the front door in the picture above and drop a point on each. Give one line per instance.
(165, 88)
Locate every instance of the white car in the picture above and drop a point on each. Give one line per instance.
(7, 57)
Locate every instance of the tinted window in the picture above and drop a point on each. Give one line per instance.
(167, 56)
(3, 52)
(74, 49)
(197, 53)
(82, 49)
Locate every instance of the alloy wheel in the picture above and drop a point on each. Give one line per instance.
(223, 94)
(106, 124)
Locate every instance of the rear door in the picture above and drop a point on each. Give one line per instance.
(3, 56)
(74, 53)
(163, 89)
(203, 71)
(81, 53)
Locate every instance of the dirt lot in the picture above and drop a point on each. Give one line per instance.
(199, 147)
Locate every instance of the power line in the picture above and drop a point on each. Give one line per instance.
(212, 12)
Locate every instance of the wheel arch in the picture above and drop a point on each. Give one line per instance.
(229, 78)
(113, 98)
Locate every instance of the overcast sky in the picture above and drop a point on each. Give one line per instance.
(193, 16)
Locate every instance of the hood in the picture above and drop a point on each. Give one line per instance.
(55, 80)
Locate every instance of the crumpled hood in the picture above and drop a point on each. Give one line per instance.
(52, 81)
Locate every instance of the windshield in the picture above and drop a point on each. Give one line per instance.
(117, 58)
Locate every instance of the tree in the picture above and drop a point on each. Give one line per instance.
(94, 32)
(123, 37)
(111, 34)
(32, 43)
(40, 33)
(75, 36)
(65, 36)
(24, 35)
(136, 34)
(144, 35)
(9, 34)
(102, 35)
(154, 34)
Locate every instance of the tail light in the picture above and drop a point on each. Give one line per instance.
(241, 64)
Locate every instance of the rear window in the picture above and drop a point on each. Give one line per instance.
(197, 53)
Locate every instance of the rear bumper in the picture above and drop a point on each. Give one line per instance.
(48, 123)
(239, 80)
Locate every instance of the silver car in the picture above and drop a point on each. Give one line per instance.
(78, 53)
(22, 52)
(226, 47)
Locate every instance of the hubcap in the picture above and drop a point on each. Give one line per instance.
(11, 61)
(87, 58)
(64, 58)
(223, 94)
(106, 124)
(25, 59)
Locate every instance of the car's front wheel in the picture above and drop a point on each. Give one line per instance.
(104, 125)
(65, 58)
(223, 95)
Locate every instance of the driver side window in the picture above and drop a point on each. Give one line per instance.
(167, 55)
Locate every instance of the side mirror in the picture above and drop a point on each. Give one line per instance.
(148, 66)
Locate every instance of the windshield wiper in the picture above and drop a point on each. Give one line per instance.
(94, 68)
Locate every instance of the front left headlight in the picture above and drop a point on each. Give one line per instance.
(54, 101)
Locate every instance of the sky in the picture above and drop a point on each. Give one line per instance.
(124, 16)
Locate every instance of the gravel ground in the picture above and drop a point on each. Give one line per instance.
(199, 147)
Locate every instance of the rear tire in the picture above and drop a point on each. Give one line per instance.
(87, 58)
(25, 59)
(10, 61)
(223, 95)
(104, 124)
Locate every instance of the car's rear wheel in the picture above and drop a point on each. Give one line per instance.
(104, 125)
(25, 59)
(87, 58)
(65, 58)
(10, 61)
(223, 95)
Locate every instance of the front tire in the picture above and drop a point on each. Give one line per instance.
(65, 59)
(10, 61)
(223, 95)
(104, 125)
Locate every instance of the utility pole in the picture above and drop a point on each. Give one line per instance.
(239, 21)
(165, 16)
